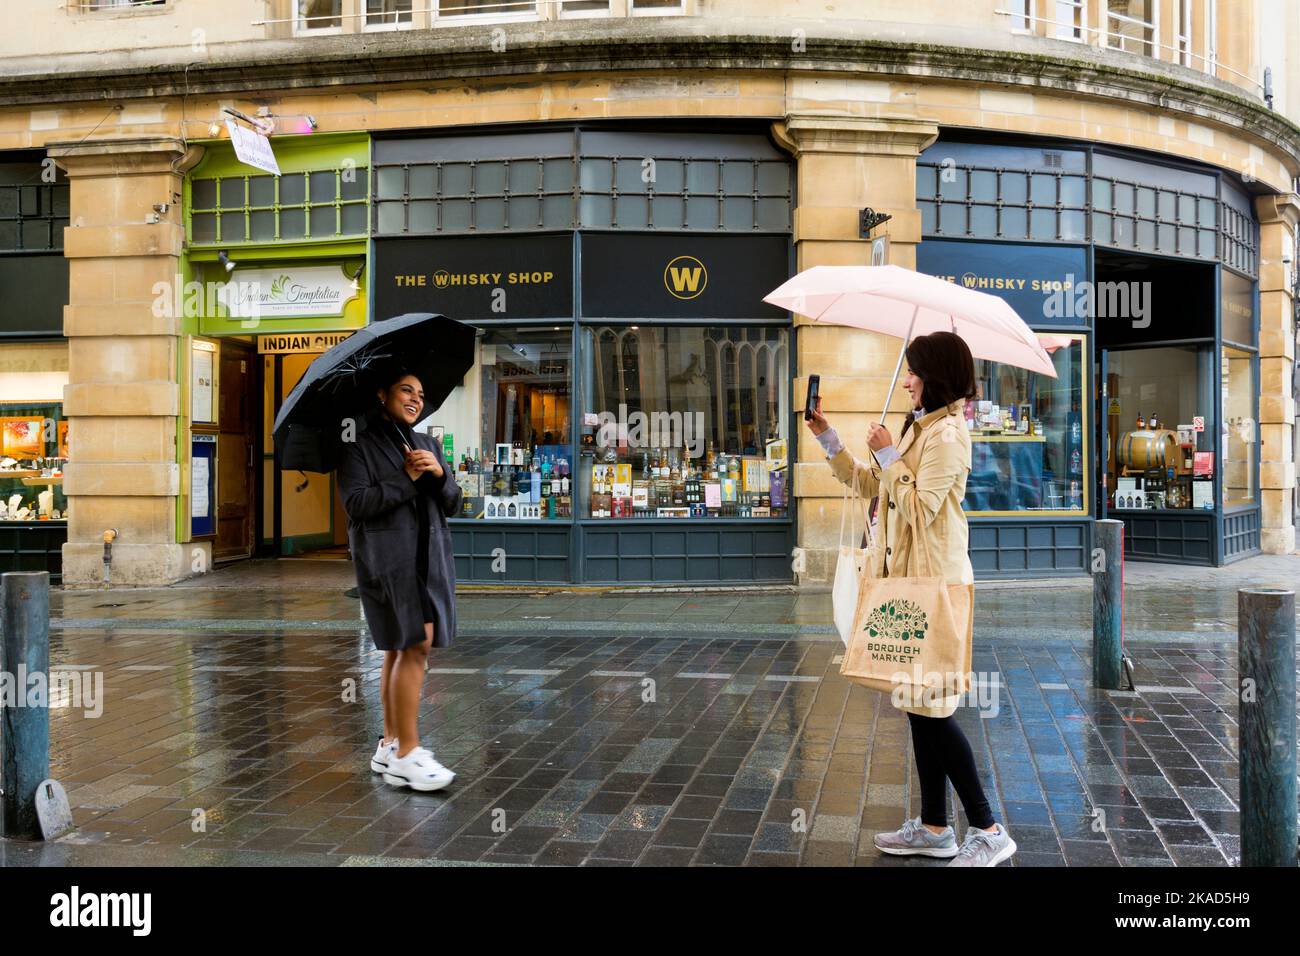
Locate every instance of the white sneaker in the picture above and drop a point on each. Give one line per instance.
(417, 770)
(383, 753)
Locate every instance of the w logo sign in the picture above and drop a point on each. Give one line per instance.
(685, 277)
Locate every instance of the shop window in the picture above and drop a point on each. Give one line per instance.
(635, 180)
(684, 193)
(1162, 428)
(1017, 193)
(320, 204)
(685, 422)
(508, 426)
(1240, 431)
(1028, 452)
(33, 213)
(33, 431)
(490, 195)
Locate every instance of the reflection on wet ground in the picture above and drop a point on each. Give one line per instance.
(617, 729)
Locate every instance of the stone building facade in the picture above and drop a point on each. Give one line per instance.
(856, 95)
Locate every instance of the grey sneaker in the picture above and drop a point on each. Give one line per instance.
(914, 839)
(984, 849)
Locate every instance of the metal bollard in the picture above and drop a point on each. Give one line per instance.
(1108, 604)
(24, 651)
(1266, 660)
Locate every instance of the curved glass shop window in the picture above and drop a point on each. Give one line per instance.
(1027, 447)
(684, 422)
(1240, 431)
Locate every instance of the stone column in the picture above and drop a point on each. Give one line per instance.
(1278, 216)
(122, 396)
(844, 164)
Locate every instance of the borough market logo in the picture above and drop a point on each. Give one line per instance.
(897, 620)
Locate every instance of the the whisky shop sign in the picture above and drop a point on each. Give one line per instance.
(476, 277)
(624, 276)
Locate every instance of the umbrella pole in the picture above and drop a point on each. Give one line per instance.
(899, 366)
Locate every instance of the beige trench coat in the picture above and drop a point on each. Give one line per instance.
(928, 479)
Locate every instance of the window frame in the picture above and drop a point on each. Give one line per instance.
(437, 17)
(1087, 439)
(300, 27)
(388, 26)
(276, 208)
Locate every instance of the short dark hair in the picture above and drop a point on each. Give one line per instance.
(943, 362)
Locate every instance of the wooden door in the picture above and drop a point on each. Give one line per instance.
(236, 490)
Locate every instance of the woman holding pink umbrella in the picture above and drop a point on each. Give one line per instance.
(924, 480)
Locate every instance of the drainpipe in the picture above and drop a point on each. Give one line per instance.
(109, 536)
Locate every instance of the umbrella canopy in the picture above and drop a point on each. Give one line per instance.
(906, 304)
(341, 383)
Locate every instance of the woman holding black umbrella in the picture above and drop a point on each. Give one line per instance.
(398, 491)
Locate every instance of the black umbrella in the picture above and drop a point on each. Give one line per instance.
(340, 384)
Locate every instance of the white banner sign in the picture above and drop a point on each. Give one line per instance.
(291, 292)
(252, 148)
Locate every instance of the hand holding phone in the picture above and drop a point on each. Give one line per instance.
(814, 396)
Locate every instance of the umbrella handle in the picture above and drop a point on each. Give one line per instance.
(898, 367)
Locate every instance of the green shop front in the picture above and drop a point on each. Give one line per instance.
(627, 417)
(275, 275)
(1138, 274)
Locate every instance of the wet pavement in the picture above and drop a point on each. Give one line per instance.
(615, 728)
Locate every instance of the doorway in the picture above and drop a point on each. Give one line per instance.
(303, 513)
(236, 485)
(1156, 412)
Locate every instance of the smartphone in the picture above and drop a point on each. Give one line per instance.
(810, 405)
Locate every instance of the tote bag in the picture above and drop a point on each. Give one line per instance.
(850, 566)
(912, 634)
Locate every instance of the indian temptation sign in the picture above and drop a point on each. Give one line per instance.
(287, 293)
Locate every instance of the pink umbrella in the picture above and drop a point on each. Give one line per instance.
(902, 303)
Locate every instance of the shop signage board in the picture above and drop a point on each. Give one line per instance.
(1040, 282)
(475, 277)
(299, 342)
(287, 291)
(681, 275)
(252, 148)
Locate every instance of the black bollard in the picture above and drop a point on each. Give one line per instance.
(24, 652)
(1266, 731)
(1107, 603)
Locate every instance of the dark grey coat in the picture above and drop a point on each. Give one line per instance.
(383, 531)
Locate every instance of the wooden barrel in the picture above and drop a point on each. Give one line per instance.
(1147, 448)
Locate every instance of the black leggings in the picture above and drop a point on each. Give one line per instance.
(942, 751)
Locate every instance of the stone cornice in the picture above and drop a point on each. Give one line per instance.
(805, 132)
(271, 68)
